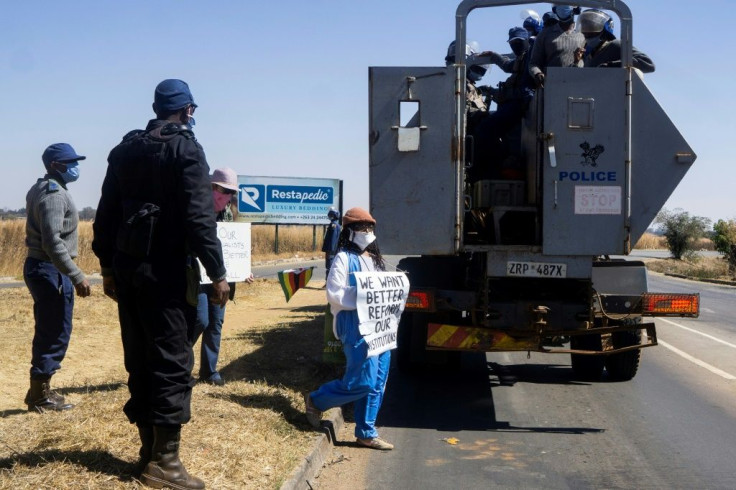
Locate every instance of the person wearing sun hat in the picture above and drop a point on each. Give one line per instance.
(210, 317)
(50, 273)
(364, 382)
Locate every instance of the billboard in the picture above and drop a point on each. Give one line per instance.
(287, 200)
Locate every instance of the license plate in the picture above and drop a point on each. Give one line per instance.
(536, 269)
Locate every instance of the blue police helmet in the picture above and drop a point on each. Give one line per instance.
(532, 25)
(550, 18)
(594, 21)
(171, 95)
(518, 33)
(563, 12)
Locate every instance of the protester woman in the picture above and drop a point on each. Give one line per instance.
(210, 317)
(365, 377)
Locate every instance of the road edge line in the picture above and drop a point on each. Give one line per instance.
(697, 361)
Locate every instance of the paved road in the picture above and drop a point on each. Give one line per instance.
(665, 254)
(268, 270)
(525, 423)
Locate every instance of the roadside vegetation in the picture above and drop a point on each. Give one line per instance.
(294, 242)
(249, 434)
(682, 231)
(724, 238)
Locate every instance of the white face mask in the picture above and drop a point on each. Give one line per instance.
(362, 238)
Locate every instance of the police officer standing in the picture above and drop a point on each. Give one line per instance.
(154, 217)
(50, 272)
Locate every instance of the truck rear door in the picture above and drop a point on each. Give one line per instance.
(413, 178)
(584, 171)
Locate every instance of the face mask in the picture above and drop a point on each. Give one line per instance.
(71, 173)
(520, 48)
(592, 42)
(221, 200)
(362, 239)
(187, 118)
(475, 73)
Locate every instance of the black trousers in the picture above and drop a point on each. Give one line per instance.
(157, 326)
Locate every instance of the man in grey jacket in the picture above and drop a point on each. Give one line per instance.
(50, 272)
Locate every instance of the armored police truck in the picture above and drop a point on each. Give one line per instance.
(521, 261)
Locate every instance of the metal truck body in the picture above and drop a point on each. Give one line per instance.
(503, 265)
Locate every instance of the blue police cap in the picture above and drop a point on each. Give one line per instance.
(172, 95)
(518, 33)
(60, 152)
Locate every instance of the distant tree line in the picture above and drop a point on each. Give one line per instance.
(681, 230)
(85, 214)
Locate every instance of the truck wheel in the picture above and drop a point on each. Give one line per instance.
(586, 367)
(623, 366)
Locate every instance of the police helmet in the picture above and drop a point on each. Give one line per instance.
(549, 19)
(450, 58)
(333, 213)
(594, 21)
(563, 12)
(532, 25)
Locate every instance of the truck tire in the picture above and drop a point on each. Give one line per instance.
(587, 367)
(623, 366)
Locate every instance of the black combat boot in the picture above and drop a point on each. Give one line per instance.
(145, 431)
(41, 398)
(165, 470)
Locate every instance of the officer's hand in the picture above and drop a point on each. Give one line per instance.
(108, 287)
(220, 293)
(83, 289)
(579, 53)
(539, 79)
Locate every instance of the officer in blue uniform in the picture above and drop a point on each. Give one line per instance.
(154, 217)
(50, 273)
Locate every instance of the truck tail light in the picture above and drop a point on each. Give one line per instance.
(671, 304)
(420, 300)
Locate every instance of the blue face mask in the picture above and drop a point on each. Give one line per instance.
(71, 173)
(564, 12)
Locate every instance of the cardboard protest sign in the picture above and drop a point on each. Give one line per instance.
(381, 300)
(235, 240)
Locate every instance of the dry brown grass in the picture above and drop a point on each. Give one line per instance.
(294, 242)
(697, 267)
(650, 241)
(251, 433)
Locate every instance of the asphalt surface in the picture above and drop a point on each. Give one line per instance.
(526, 423)
(265, 271)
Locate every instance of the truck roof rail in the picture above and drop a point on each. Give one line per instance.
(620, 8)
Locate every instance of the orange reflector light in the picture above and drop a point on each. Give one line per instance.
(420, 300)
(671, 304)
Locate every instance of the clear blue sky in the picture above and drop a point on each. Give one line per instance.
(282, 86)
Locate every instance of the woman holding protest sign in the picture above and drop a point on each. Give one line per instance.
(210, 317)
(365, 377)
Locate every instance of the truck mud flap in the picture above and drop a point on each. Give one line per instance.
(478, 339)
